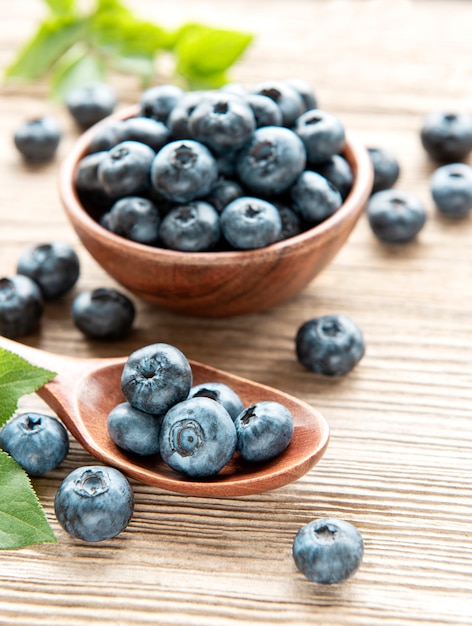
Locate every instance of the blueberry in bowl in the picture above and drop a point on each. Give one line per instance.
(217, 276)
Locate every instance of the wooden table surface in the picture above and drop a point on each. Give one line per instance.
(399, 463)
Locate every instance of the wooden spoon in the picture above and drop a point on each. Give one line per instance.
(85, 390)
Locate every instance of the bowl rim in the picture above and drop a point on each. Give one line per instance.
(355, 153)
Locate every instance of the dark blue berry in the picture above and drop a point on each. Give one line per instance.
(314, 197)
(157, 102)
(223, 192)
(291, 222)
(447, 136)
(263, 431)
(94, 503)
(395, 216)
(328, 550)
(103, 313)
(451, 189)
(248, 223)
(178, 120)
(105, 136)
(220, 393)
(125, 170)
(21, 306)
(286, 97)
(37, 140)
(198, 437)
(156, 377)
(183, 171)
(222, 121)
(330, 345)
(386, 168)
(55, 267)
(266, 111)
(271, 161)
(134, 218)
(146, 130)
(339, 173)
(322, 133)
(192, 227)
(133, 430)
(39, 443)
(90, 104)
(305, 90)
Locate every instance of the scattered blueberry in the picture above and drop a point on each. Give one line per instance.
(21, 306)
(134, 430)
(447, 136)
(386, 168)
(395, 216)
(55, 267)
(39, 443)
(103, 313)
(89, 104)
(157, 102)
(125, 170)
(192, 227)
(94, 503)
(451, 189)
(134, 218)
(322, 133)
(263, 430)
(327, 550)
(314, 197)
(220, 393)
(288, 99)
(198, 437)
(248, 223)
(156, 377)
(37, 140)
(183, 171)
(330, 345)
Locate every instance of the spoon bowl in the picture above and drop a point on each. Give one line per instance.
(85, 390)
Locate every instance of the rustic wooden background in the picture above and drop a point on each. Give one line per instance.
(399, 464)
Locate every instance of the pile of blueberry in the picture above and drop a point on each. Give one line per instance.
(195, 429)
(226, 169)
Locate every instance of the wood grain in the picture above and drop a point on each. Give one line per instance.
(399, 461)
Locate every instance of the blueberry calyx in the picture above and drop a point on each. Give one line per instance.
(184, 157)
(92, 483)
(186, 437)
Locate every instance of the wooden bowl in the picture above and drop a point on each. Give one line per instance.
(216, 284)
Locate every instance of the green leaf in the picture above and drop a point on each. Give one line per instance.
(18, 378)
(61, 7)
(203, 51)
(22, 520)
(76, 69)
(53, 38)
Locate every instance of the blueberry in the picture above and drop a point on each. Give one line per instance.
(192, 227)
(55, 267)
(286, 97)
(291, 222)
(105, 136)
(157, 102)
(221, 393)
(134, 430)
(314, 197)
(395, 216)
(223, 192)
(156, 377)
(103, 313)
(178, 120)
(248, 223)
(39, 443)
(271, 161)
(125, 171)
(134, 218)
(222, 121)
(198, 437)
(328, 550)
(322, 133)
(89, 104)
(305, 90)
(37, 140)
(21, 306)
(447, 136)
(86, 176)
(263, 430)
(266, 111)
(339, 173)
(386, 168)
(234, 88)
(151, 132)
(451, 189)
(330, 345)
(183, 171)
(94, 503)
